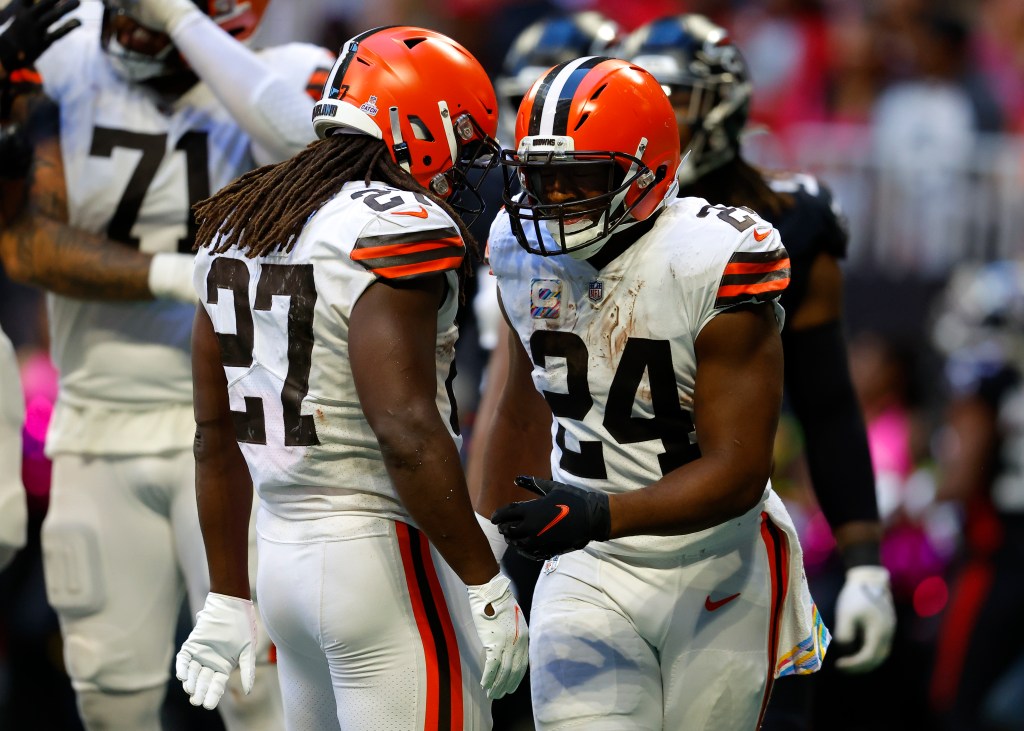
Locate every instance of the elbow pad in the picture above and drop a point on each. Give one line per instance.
(822, 397)
(286, 114)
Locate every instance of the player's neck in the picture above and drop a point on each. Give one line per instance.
(619, 242)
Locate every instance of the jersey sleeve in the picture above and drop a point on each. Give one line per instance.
(412, 237)
(757, 269)
(305, 64)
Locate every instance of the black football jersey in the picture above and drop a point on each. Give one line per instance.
(814, 224)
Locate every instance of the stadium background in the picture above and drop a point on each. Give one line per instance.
(911, 110)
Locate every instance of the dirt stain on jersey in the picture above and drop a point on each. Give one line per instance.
(619, 323)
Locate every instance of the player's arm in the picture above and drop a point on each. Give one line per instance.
(225, 631)
(223, 484)
(825, 403)
(515, 430)
(273, 110)
(39, 247)
(392, 336)
(969, 441)
(737, 399)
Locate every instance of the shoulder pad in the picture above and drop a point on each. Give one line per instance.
(758, 270)
(410, 236)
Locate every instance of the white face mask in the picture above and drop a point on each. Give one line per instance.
(135, 67)
(579, 233)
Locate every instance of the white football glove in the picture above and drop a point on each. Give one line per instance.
(170, 277)
(162, 15)
(865, 602)
(223, 638)
(502, 629)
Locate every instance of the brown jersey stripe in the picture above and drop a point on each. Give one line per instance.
(735, 290)
(756, 267)
(777, 549)
(737, 279)
(411, 237)
(753, 257)
(443, 663)
(434, 254)
(411, 271)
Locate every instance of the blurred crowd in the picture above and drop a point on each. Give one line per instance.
(913, 112)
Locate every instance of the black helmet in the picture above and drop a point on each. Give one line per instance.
(689, 53)
(552, 40)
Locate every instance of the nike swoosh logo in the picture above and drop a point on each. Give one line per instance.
(712, 606)
(563, 510)
(422, 213)
(761, 236)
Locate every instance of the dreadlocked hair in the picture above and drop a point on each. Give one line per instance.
(266, 209)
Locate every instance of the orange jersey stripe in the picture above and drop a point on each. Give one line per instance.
(381, 252)
(732, 290)
(25, 76)
(315, 85)
(756, 268)
(414, 270)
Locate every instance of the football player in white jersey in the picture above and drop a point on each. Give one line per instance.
(649, 327)
(324, 358)
(158, 104)
(709, 85)
(13, 505)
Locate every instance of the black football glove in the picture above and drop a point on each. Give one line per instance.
(564, 519)
(28, 35)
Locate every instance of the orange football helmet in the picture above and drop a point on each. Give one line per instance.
(427, 97)
(596, 148)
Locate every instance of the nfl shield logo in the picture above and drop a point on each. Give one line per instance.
(596, 291)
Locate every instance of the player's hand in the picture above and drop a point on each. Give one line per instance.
(223, 638)
(865, 608)
(29, 33)
(162, 15)
(564, 519)
(502, 629)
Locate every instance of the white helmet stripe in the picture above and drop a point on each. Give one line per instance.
(554, 94)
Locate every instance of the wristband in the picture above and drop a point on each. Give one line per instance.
(170, 277)
(865, 553)
(494, 537)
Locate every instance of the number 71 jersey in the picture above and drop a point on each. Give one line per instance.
(282, 321)
(613, 349)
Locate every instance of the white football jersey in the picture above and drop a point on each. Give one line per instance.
(613, 349)
(133, 168)
(282, 321)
